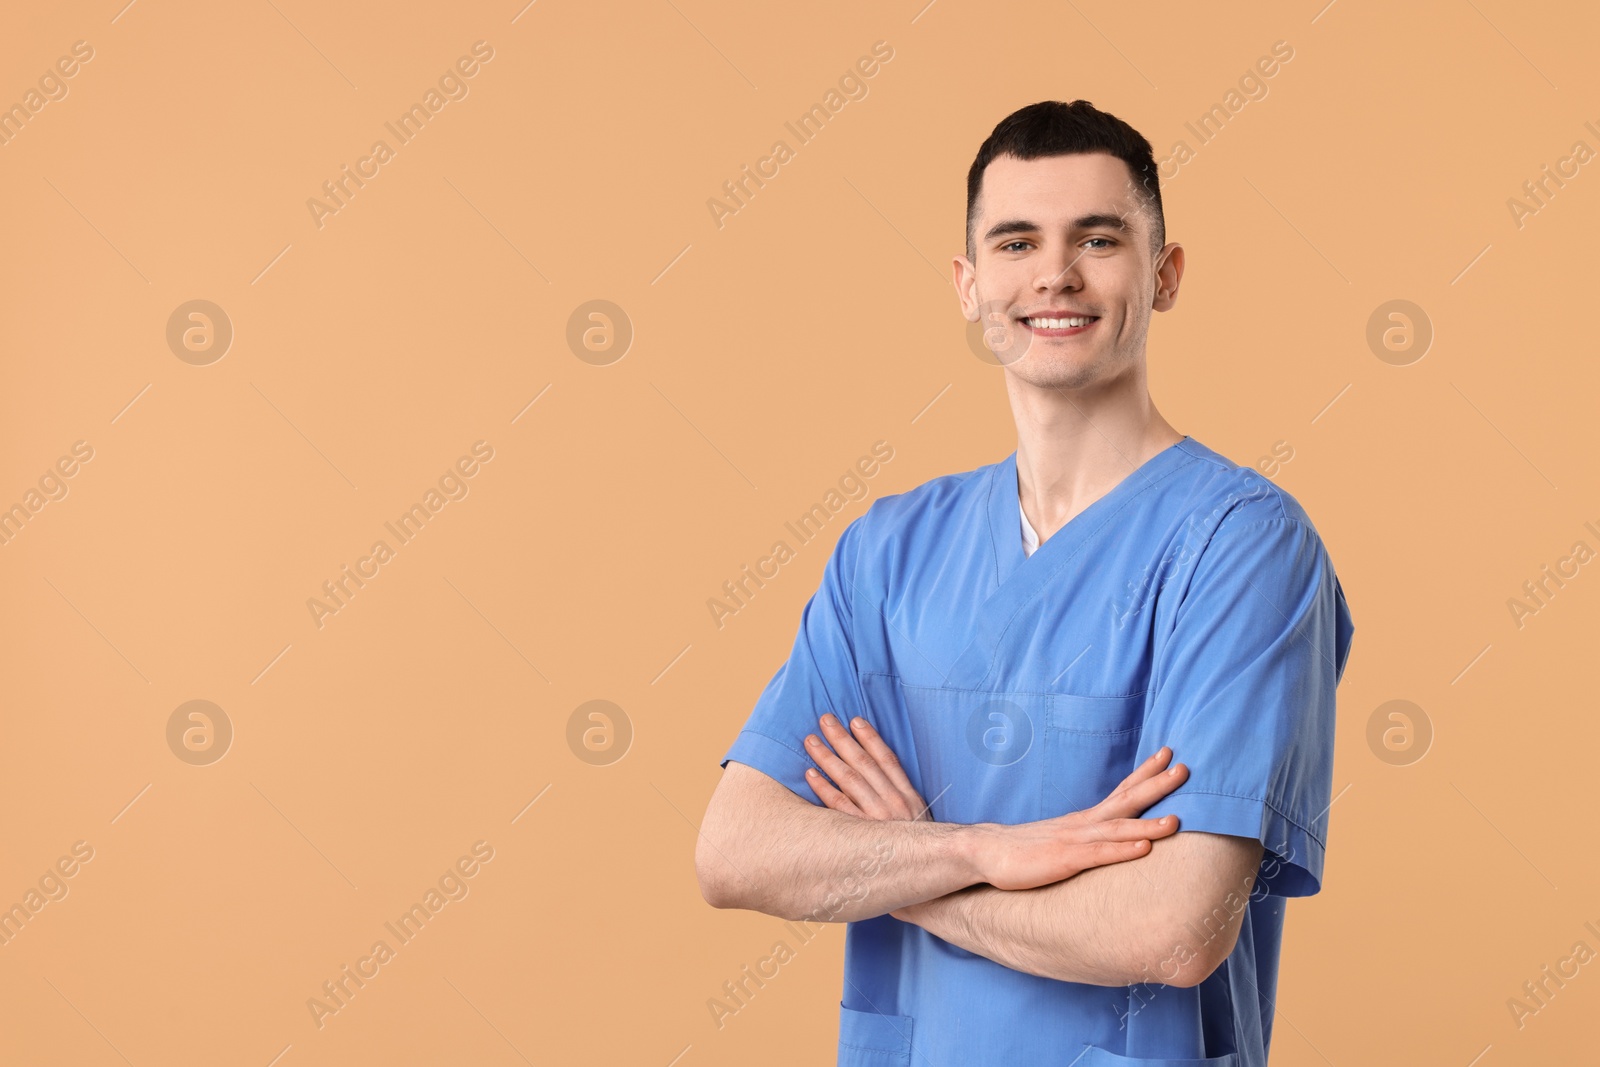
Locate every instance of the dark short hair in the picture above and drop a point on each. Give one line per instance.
(1054, 128)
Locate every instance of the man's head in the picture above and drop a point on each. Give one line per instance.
(1064, 215)
(1052, 128)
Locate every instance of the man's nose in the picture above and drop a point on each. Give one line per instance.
(1059, 271)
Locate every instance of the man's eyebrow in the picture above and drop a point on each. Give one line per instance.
(1097, 221)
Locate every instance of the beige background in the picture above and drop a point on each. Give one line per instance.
(368, 354)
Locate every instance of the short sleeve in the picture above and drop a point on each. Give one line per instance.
(1243, 692)
(818, 677)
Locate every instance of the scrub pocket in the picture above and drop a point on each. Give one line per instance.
(867, 1039)
(1089, 745)
(1094, 1056)
(978, 755)
(982, 756)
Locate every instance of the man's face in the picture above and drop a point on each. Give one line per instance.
(1059, 237)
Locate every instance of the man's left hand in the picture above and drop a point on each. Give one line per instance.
(871, 782)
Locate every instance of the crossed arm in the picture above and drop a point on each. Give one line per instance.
(1097, 896)
(1171, 917)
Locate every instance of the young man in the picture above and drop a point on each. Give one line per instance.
(1027, 645)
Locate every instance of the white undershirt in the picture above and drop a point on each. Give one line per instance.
(1030, 540)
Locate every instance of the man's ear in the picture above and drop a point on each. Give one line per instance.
(966, 283)
(1168, 275)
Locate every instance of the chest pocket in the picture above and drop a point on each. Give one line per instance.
(1089, 745)
(979, 756)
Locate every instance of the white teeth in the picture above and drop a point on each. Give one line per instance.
(1059, 324)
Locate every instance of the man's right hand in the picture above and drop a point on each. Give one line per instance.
(869, 783)
(1033, 854)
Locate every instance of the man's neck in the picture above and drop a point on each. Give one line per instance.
(1071, 453)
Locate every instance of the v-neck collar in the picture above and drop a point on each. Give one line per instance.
(1022, 578)
(1005, 503)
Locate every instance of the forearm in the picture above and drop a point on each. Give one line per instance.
(1169, 918)
(785, 857)
(1040, 931)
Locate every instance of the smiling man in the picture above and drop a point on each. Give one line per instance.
(1028, 645)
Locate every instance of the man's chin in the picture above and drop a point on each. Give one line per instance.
(1040, 370)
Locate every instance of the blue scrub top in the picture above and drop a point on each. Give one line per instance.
(1193, 606)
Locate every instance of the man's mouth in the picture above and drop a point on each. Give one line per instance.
(1062, 326)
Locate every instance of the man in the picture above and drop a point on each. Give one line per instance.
(1027, 645)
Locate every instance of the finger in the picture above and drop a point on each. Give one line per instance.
(880, 751)
(846, 778)
(858, 757)
(1137, 798)
(1150, 767)
(1140, 797)
(831, 797)
(1108, 852)
(1135, 829)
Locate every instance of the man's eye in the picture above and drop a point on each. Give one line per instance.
(1009, 246)
(1108, 241)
